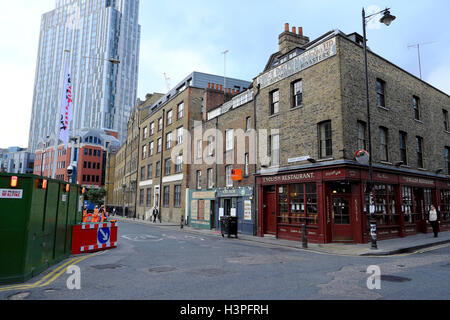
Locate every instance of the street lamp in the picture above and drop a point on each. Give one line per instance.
(387, 20)
(45, 146)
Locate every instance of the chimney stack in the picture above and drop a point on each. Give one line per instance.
(290, 40)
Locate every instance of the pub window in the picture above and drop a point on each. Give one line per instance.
(407, 204)
(381, 86)
(385, 212)
(419, 151)
(384, 146)
(177, 196)
(416, 106)
(445, 205)
(445, 115)
(325, 140)
(274, 102)
(166, 198)
(311, 204)
(403, 150)
(283, 204)
(211, 145)
(362, 134)
(297, 90)
(428, 199)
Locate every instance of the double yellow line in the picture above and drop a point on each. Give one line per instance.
(49, 278)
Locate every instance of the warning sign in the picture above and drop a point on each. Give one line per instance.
(11, 194)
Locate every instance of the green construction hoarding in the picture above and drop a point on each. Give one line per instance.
(36, 219)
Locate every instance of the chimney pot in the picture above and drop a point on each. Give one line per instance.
(233, 92)
(209, 85)
(294, 30)
(217, 86)
(300, 31)
(221, 87)
(286, 27)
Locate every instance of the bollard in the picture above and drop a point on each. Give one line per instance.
(304, 237)
(182, 222)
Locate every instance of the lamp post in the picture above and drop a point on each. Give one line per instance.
(43, 155)
(387, 20)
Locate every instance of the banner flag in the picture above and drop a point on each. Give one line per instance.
(66, 108)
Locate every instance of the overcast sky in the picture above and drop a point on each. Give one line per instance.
(179, 37)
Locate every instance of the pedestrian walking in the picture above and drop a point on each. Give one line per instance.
(155, 213)
(433, 219)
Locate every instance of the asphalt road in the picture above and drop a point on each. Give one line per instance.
(164, 263)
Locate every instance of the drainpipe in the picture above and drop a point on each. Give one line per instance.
(138, 163)
(255, 193)
(161, 161)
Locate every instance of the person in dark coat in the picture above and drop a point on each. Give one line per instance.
(433, 219)
(155, 214)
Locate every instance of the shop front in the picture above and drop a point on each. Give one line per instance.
(333, 204)
(237, 202)
(202, 213)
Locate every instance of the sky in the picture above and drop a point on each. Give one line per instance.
(179, 37)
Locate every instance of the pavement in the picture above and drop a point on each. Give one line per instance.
(385, 247)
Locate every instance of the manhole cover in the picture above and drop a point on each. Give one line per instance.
(108, 266)
(390, 278)
(19, 296)
(162, 269)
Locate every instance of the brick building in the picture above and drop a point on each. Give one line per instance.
(313, 93)
(162, 170)
(223, 143)
(86, 153)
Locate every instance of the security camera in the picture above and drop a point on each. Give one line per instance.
(70, 170)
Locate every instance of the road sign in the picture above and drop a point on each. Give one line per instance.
(103, 235)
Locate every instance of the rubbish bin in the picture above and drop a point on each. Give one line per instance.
(228, 225)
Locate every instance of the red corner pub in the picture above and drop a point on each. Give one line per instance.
(333, 203)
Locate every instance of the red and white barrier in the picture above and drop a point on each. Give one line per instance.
(92, 237)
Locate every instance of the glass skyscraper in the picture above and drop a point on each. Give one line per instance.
(92, 35)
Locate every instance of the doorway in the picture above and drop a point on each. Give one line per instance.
(270, 211)
(341, 219)
(419, 210)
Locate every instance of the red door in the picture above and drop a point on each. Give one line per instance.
(270, 213)
(341, 219)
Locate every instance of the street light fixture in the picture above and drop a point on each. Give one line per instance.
(387, 20)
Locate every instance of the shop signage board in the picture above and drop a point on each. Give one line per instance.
(235, 192)
(305, 60)
(11, 194)
(247, 210)
(288, 178)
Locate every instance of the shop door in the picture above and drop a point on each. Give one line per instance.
(270, 213)
(213, 214)
(341, 223)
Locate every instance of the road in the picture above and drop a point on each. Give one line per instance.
(164, 263)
